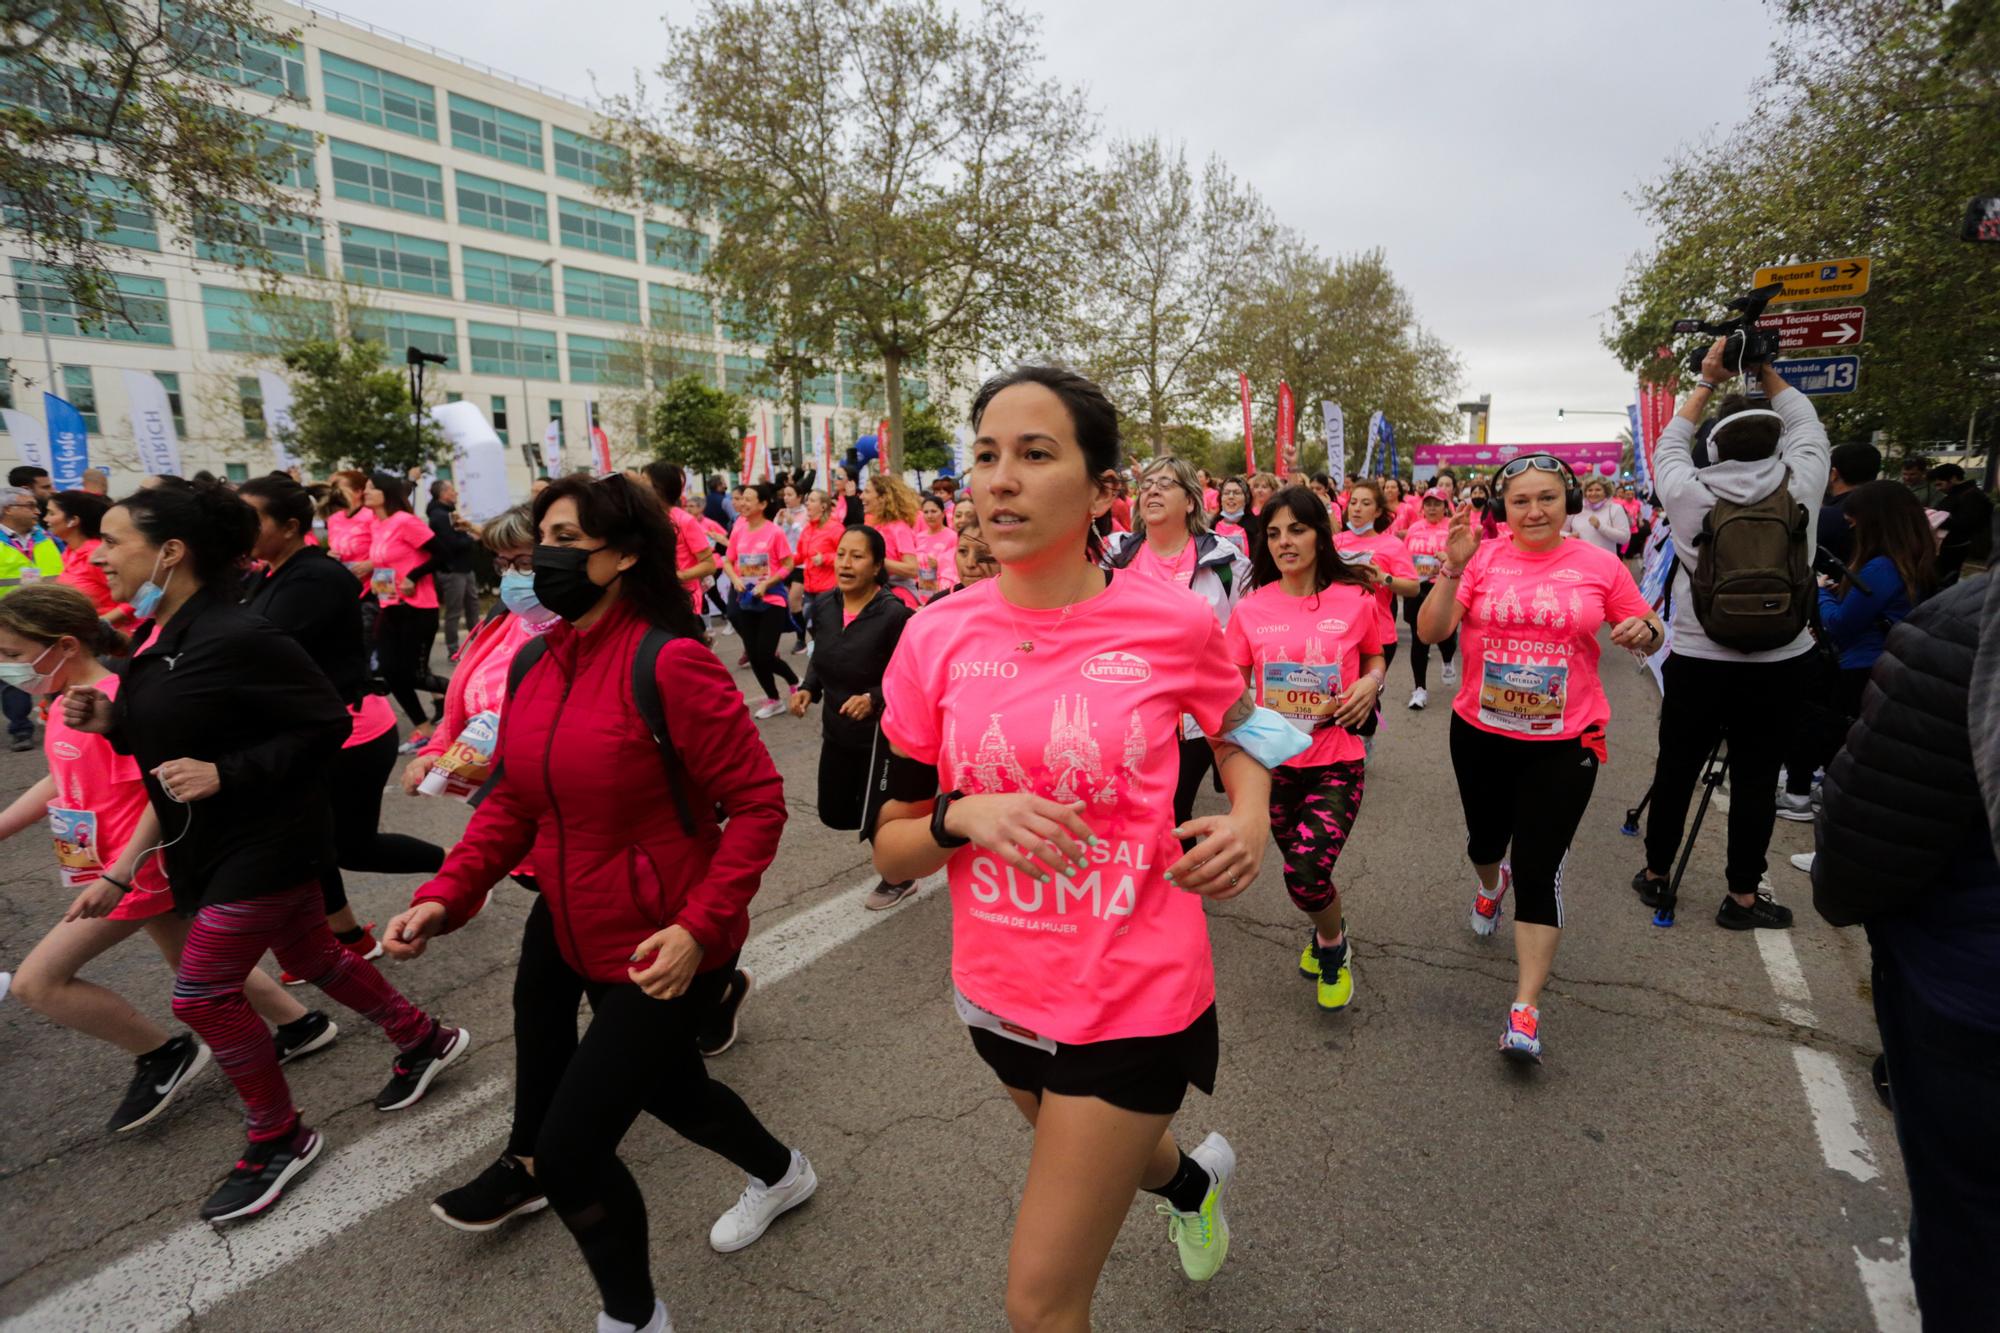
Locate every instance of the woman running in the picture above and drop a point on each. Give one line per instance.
(759, 558)
(817, 543)
(1528, 725)
(1232, 517)
(694, 557)
(646, 873)
(95, 804)
(855, 630)
(1262, 487)
(1367, 540)
(791, 517)
(1048, 700)
(234, 729)
(399, 572)
(935, 546)
(1309, 642)
(889, 506)
(1603, 522)
(1425, 541)
(74, 518)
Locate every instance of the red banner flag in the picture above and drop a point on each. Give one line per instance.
(882, 445)
(749, 457)
(826, 458)
(1287, 413)
(1249, 447)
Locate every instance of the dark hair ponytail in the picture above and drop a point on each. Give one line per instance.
(212, 521)
(284, 500)
(1092, 416)
(45, 612)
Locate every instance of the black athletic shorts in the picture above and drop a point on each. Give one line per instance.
(1145, 1074)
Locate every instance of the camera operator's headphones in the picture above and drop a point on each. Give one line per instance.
(1514, 467)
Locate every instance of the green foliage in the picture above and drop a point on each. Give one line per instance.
(699, 426)
(1879, 121)
(927, 445)
(349, 410)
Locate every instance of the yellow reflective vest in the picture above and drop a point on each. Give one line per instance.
(17, 568)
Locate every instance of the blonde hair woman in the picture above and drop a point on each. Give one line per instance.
(889, 506)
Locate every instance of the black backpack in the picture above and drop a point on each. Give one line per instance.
(1752, 580)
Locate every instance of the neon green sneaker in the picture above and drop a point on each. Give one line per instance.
(1203, 1236)
(1329, 968)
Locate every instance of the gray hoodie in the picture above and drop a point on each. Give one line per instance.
(1687, 494)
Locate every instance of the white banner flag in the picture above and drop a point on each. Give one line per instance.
(1336, 445)
(152, 424)
(961, 454)
(277, 396)
(552, 446)
(31, 437)
(478, 460)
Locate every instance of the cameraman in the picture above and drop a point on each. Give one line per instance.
(1968, 524)
(1712, 691)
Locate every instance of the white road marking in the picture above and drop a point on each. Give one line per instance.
(1834, 1116)
(1887, 1282)
(148, 1290)
(1787, 978)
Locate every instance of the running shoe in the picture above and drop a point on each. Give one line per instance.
(314, 1032)
(1522, 1040)
(1763, 913)
(886, 895)
(503, 1191)
(411, 1075)
(760, 1205)
(1451, 673)
(1486, 911)
(1202, 1236)
(365, 947)
(156, 1077)
(799, 648)
(261, 1175)
(1418, 698)
(718, 1030)
(769, 708)
(661, 1322)
(1803, 861)
(743, 661)
(1651, 891)
(416, 742)
(1328, 966)
(21, 744)
(1798, 809)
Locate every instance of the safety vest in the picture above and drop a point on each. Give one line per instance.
(17, 569)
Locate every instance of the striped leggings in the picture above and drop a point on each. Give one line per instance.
(225, 942)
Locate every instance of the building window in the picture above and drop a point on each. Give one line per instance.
(288, 152)
(602, 361)
(371, 176)
(398, 331)
(240, 54)
(679, 310)
(588, 295)
(582, 158)
(587, 227)
(556, 420)
(6, 390)
(858, 390)
(509, 280)
(674, 247)
(739, 371)
(672, 363)
(499, 413)
(386, 259)
(517, 353)
(820, 389)
(479, 128)
(81, 393)
(236, 471)
(236, 321)
(171, 382)
(46, 306)
(250, 406)
(362, 92)
(295, 243)
(498, 207)
(120, 216)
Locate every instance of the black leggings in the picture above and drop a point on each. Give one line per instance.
(1527, 795)
(354, 793)
(575, 1099)
(1197, 757)
(763, 631)
(403, 636)
(1420, 652)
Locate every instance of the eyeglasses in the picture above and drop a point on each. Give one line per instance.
(520, 564)
(1151, 484)
(1539, 462)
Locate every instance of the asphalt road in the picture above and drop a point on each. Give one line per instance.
(1701, 1149)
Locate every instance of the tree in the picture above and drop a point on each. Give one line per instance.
(1163, 259)
(105, 114)
(1878, 122)
(1341, 330)
(699, 426)
(351, 410)
(927, 445)
(898, 173)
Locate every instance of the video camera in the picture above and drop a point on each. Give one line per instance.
(1748, 345)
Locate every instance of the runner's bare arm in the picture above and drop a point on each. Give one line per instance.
(1033, 834)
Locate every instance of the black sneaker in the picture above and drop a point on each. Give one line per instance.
(718, 1030)
(503, 1190)
(1761, 914)
(412, 1073)
(1651, 891)
(261, 1176)
(314, 1032)
(156, 1077)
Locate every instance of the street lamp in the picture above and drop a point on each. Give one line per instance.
(521, 361)
(1562, 412)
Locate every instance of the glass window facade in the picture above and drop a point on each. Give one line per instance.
(674, 247)
(236, 321)
(365, 93)
(580, 157)
(672, 363)
(397, 330)
(520, 353)
(239, 54)
(739, 371)
(386, 259)
(290, 153)
(390, 180)
(590, 295)
(117, 215)
(679, 310)
(500, 207)
(296, 243)
(46, 306)
(250, 406)
(171, 382)
(600, 230)
(602, 361)
(509, 280)
(479, 128)
(80, 391)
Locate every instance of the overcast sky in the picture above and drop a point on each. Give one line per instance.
(1489, 149)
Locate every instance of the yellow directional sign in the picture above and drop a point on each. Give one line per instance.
(1816, 281)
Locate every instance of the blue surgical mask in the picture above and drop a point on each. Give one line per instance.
(517, 594)
(149, 594)
(1360, 528)
(24, 676)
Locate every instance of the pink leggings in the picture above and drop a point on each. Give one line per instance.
(225, 942)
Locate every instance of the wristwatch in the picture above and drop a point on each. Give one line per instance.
(938, 835)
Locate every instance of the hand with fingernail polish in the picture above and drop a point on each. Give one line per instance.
(1036, 836)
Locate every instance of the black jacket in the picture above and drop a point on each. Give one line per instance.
(221, 685)
(450, 549)
(1834, 532)
(850, 659)
(1968, 527)
(314, 599)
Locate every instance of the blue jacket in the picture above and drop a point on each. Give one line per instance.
(1859, 623)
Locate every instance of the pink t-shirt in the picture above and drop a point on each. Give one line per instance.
(1091, 714)
(1177, 570)
(1385, 551)
(1235, 533)
(98, 799)
(937, 560)
(1425, 541)
(479, 682)
(348, 536)
(1529, 637)
(690, 549)
(1211, 500)
(396, 544)
(817, 544)
(372, 716)
(899, 543)
(1299, 650)
(760, 553)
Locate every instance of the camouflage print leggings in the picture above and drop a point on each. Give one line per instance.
(1312, 812)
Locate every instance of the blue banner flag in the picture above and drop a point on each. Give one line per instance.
(69, 443)
(1389, 447)
(1638, 448)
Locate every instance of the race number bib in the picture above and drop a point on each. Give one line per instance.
(1358, 557)
(75, 833)
(754, 564)
(384, 581)
(1427, 565)
(1524, 698)
(974, 1016)
(1297, 692)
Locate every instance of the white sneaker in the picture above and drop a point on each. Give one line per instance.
(1803, 861)
(1419, 697)
(729, 629)
(1451, 673)
(1798, 809)
(769, 708)
(661, 1322)
(1486, 911)
(760, 1206)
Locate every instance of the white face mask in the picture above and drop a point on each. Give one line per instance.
(24, 676)
(1597, 504)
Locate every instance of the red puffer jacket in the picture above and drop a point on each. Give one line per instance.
(584, 787)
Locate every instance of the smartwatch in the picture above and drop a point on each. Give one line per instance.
(938, 835)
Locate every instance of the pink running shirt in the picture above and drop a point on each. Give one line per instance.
(937, 560)
(1092, 713)
(1298, 650)
(1385, 551)
(690, 549)
(396, 544)
(1177, 570)
(348, 536)
(1425, 542)
(760, 553)
(97, 803)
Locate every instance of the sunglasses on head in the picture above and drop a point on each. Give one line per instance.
(1539, 462)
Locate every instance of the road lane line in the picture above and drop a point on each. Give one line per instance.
(1834, 1117)
(147, 1290)
(1781, 961)
(1890, 1293)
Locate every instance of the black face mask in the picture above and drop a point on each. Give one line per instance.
(562, 580)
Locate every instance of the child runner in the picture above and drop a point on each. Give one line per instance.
(1425, 541)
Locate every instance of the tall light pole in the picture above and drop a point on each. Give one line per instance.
(520, 360)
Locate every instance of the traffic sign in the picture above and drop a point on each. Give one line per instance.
(1816, 281)
(1821, 374)
(1840, 327)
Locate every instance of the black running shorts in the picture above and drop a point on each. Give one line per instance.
(1149, 1075)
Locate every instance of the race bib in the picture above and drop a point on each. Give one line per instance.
(1524, 698)
(75, 833)
(927, 571)
(974, 1016)
(1427, 565)
(1358, 557)
(383, 580)
(754, 564)
(1297, 692)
